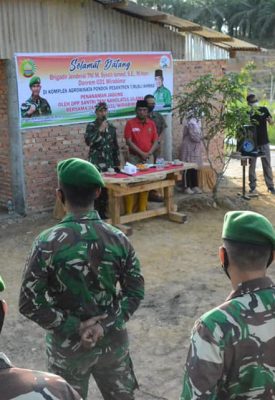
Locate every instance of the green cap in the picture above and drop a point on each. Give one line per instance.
(101, 106)
(78, 172)
(248, 227)
(34, 81)
(2, 284)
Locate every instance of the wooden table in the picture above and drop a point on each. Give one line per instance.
(120, 185)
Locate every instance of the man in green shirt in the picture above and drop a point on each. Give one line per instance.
(82, 283)
(232, 346)
(162, 95)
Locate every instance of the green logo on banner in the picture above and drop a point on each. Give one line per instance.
(28, 68)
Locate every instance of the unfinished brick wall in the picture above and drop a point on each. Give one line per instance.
(5, 166)
(42, 149)
(184, 72)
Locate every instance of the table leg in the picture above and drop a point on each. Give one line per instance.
(170, 207)
(114, 202)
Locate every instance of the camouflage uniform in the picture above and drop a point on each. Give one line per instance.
(159, 121)
(104, 154)
(19, 383)
(163, 97)
(232, 347)
(41, 105)
(72, 275)
(161, 125)
(104, 150)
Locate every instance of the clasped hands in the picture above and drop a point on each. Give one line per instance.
(91, 331)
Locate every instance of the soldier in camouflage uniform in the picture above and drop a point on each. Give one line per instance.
(101, 137)
(19, 383)
(232, 346)
(35, 106)
(82, 283)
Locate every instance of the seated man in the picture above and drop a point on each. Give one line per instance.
(19, 383)
(142, 138)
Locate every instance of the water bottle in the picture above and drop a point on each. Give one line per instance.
(10, 206)
(160, 163)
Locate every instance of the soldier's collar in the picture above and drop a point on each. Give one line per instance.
(251, 286)
(90, 215)
(4, 362)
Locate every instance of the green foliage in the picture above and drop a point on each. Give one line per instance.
(222, 103)
(271, 128)
(252, 20)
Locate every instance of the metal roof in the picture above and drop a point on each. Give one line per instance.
(181, 25)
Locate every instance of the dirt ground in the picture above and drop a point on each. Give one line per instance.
(183, 280)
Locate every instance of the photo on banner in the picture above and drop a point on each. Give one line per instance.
(61, 89)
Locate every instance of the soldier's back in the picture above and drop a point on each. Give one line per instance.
(243, 328)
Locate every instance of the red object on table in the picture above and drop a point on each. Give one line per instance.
(145, 172)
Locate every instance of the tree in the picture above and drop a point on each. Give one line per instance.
(252, 20)
(221, 102)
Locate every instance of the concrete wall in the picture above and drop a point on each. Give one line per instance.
(5, 162)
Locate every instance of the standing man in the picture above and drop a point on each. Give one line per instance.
(160, 125)
(141, 134)
(35, 106)
(20, 383)
(101, 138)
(232, 346)
(259, 117)
(142, 138)
(70, 288)
(162, 94)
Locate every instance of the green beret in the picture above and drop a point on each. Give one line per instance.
(101, 106)
(2, 285)
(34, 81)
(78, 172)
(248, 227)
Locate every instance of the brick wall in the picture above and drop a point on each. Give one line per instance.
(5, 167)
(42, 149)
(184, 72)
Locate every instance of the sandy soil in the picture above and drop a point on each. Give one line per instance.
(183, 279)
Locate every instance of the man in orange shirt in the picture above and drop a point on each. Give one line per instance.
(142, 138)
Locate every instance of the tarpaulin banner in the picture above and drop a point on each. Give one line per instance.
(61, 89)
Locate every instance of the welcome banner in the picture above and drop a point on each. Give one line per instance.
(60, 89)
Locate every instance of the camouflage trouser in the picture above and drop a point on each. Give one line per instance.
(111, 368)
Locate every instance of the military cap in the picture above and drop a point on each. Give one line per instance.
(158, 72)
(141, 103)
(2, 284)
(248, 227)
(78, 172)
(34, 81)
(101, 106)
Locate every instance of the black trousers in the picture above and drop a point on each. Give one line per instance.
(190, 178)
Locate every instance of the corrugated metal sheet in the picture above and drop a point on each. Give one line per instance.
(198, 49)
(240, 45)
(78, 26)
